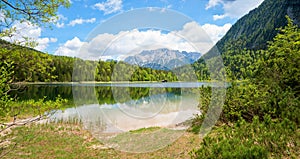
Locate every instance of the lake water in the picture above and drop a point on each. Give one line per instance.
(107, 109)
(120, 107)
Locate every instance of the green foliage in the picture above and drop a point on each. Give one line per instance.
(258, 139)
(281, 62)
(34, 108)
(248, 100)
(28, 65)
(263, 111)
(121, 71)
(63, 68)
(20, 64)
(33, 66)
(259, 26)
(242, 44)
(5, 80)
(201, 70)
(273, 84)
(35, 12)
(145, 130)
(238, 62)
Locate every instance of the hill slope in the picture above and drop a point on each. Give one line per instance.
(259, 26)
(251, 32)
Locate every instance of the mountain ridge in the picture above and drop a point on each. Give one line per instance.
(163, 58)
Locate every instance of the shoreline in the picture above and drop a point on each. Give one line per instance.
(112, 82)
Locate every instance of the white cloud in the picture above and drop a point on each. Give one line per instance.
(205, 36)
(59, 21)
(70, 48)
(81, 21)
(123, 44)
(212, 3)
(192, 37)
(33, 32)
(62, 17)
(233, 8)
(44, 42)
(110, 6)
(135, 41)
(217, 17)
(60, 25)
(216, 32)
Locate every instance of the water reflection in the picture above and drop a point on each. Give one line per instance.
(110, 111)
(163, 110)
(104, 92)
(121, 107)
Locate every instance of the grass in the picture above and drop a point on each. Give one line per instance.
(70, 140)
(144, 140)
(58, 140)
(145, 130)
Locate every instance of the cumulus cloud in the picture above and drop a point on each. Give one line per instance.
(233, 8)
(60, 21)
(110, 6)
(204, 36)
(70, 48)
(216, 32)
(192, 37)
(81, 21)
(123, 44)
(43, 43)
(135, 41)
(33, 32)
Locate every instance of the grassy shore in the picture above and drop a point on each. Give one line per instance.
(72, 141)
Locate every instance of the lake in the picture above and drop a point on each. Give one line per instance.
(107, 109)
(123, 106)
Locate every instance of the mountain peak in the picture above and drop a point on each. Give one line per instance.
(163, 58)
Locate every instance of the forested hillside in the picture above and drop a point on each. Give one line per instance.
(259, 26)
(27, 64)
(252, 32)
(30, 65)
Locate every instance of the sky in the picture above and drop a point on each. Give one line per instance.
(114, 29)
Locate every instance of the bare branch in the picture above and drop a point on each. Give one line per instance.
(23, 122)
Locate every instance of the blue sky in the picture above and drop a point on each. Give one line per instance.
(73, 29)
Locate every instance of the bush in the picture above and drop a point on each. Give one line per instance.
(258, 139)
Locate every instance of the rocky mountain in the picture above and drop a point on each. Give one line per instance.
(163, 59)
